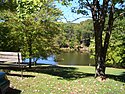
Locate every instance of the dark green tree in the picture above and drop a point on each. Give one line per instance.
(34, 27)
(116, 51)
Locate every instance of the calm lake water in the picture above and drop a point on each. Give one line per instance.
(72, 58)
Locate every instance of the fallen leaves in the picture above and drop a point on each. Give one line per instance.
(48, 84)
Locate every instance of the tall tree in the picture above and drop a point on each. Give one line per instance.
(101, 11)
(35, 24)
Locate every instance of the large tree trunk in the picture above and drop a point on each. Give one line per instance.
(99, 16)
(101, 50)
(99, 59)
(98, 29)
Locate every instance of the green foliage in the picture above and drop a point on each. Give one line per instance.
(67, 36)
(92, 48)
(65, 2)
(73, 35)
(116, 52)
(8, 5)
(25, 9)
(8, 38)
(31, 29)
(87, 34)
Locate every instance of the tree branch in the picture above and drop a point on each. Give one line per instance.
(108, 33)
(75, 19)
(79, 18)
(88, 3)
(104, 11)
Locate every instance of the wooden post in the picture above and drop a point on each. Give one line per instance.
(19, 57)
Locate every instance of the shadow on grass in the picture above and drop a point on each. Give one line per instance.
(69, 73)
(120, 77)
(19, 75)
(13, 91)
(8, 69)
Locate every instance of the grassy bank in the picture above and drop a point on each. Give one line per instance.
(66, 80)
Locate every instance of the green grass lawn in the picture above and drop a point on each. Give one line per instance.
(66, 80)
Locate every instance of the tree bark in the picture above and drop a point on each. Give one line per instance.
(109, 31)
(101, 51)
(100, 65)
(99, 16)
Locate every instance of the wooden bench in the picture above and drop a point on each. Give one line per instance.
(12, 59)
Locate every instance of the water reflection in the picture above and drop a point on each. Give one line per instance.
(72, 58)
(75, 58)
(50, 60)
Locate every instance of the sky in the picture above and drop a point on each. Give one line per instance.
(70, 16)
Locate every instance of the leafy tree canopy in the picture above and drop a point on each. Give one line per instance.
(30, 28)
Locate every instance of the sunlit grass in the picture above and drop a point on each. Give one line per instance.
(82, 81)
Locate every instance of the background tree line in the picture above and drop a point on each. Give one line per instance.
(75, 34)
